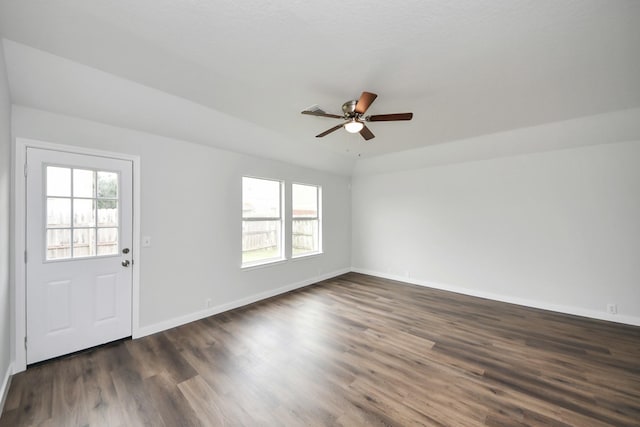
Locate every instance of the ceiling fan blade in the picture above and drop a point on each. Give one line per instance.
(389, 117)
(328, 131)
(366, 99)
(366, 133)
(322, 114)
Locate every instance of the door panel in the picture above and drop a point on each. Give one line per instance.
(79, 220)
(58, 305)
(105, 297)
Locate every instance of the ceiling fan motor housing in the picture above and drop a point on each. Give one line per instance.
(349, 108)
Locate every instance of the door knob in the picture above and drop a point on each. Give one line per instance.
(125, 263)
(125, 251)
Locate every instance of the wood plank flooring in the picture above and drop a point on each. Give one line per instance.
(352, 351)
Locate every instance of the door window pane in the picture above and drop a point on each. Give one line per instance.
(58, 181)
(84, 242)
(84, 214)
(58, 212)
(107, 185)
(107, 241)
(107, 213)
(58, 244)
(83, 183)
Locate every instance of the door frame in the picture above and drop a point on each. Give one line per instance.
(20, 232)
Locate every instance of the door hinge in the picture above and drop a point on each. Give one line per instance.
(26, 168)
(25, 343)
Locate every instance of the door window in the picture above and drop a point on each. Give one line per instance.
(81, 213)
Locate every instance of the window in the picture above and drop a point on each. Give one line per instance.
(261, 221)
(305, 215)
(82, 213)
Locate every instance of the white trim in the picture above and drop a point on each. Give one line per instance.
(271, 262)
(19, 244)
(201, 314)
(306, 255)
(559, 308)
(4, 387)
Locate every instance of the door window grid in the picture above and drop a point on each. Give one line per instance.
(81, 213)
(305, 219)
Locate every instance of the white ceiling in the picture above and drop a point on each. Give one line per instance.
(465, 68)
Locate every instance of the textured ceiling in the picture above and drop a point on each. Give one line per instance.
(465, 68)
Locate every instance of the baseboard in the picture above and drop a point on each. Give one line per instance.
(201, 314)
(558, 308)
(4, 387)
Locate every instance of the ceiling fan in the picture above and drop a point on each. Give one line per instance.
(354, 116)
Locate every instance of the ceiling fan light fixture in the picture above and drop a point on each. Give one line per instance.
(354, 126)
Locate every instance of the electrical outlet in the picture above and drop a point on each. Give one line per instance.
(612, 308)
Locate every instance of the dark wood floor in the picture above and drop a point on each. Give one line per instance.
(352, 351)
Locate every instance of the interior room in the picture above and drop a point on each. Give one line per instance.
(320, 213)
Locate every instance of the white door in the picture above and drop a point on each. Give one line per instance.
(79, 236)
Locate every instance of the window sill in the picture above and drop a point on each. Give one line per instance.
(304, 256)
(262, 264)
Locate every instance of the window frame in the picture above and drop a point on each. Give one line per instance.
(280, 219)
(317, 218)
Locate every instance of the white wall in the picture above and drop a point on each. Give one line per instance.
(558, 230)
(5, 191)
(191, 208)
(614, 126)
(51, 83)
